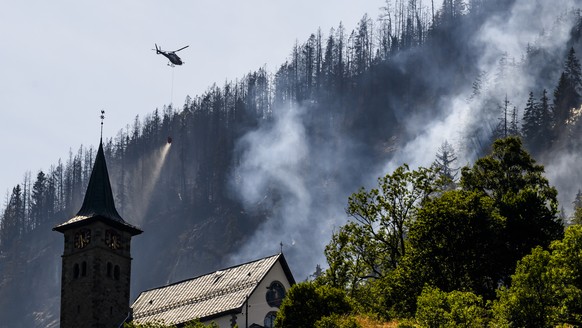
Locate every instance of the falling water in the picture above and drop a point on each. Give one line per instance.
(151, 176)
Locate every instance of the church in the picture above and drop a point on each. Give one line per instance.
(96, 276)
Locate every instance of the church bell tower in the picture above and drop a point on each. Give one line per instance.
(96, 262)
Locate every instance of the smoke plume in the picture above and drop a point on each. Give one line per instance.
(305, 177)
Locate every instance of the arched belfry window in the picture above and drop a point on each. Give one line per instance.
(83, 269)
(76, 271)
(109, 269)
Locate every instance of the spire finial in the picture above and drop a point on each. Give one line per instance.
(102, 118)
(281, 244)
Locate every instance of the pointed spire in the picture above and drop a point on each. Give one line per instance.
(99, 196)
(98, 202)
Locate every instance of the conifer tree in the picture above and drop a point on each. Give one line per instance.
(38, 206)
(577, 204)
(12, 220)
(445, 159)
(573, 70)
(513, 129)
(567, 94)
(565, 98)
(545, 122)
(531, 123)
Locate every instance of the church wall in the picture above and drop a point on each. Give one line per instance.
(258, 306)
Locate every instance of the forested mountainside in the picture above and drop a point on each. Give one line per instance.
(273, 156)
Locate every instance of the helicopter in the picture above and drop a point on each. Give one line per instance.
(171, 55)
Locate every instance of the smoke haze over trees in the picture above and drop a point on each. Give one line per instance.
(273, 156)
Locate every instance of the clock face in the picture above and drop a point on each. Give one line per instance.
(82, 238)
(275, 294)
(112, 239)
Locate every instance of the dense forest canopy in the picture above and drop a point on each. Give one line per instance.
(272, 157)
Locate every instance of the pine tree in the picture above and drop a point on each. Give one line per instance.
(577, 205)
(444, 162)
(513, 129)
(531, 120)
(573, 70)
(503, 128)
(38, 206)
(12, 225)
(545, 122)
(567, 94)
(565, 98)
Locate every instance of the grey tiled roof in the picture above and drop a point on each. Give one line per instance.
(204, 296)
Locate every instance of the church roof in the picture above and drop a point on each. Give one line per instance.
(98, 203)
(206, 296)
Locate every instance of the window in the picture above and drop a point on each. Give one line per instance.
(76, 271)
(270, 319)
(109, 269)
(83, 269)
(116, 272)
(275, 294)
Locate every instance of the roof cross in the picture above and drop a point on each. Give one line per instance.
(102, 118)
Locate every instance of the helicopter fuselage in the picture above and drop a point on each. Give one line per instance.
(171, 55)
(173, 58)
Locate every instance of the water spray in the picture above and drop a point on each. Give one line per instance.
(157, 160)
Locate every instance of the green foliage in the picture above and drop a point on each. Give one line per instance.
(454, 309)
(546, 289)
(577, 204)
(451, 246)
(471, 239)
(306, 303)
(401, 288)
(406, 236)
(528, 301)
(198, 324)
(577, 217)
(565, 272)
(337, 321)
(374, 242)
(523, 196)
(454, 244)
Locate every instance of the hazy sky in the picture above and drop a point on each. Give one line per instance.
(63, 61)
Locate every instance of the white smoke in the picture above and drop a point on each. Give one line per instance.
(283, 171)
(542, 24)
(275, 158)
(297, 178)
